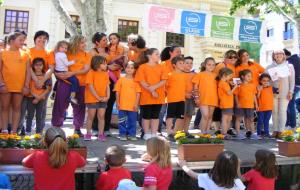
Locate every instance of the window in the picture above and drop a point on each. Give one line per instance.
(76, 20)
(288, 32)
(16, 20)
(270, 32)
(175, 39)
(287, 26)
(126, 27)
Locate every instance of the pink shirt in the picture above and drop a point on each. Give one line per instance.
(48, 178)
(157, 176)
(258, 182)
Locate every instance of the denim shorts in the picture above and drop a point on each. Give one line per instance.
(245, 112)
(227, 111)
(97, 105)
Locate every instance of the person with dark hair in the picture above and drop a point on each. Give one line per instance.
(291, 111)
(230, 59)
(152, 78)
(167, 54)
(114, 159)
(264, 172)
(54, 168)
(243, 63)
(137, 49)
(223, 175)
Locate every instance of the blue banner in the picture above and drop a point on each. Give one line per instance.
(249, 30)
(192, 23)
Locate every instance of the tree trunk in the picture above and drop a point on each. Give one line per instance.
(65, 17)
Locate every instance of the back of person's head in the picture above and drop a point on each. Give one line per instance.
(224, 72)
(137, 40)
(115, 156)
(159, 150)
(224, 171)
(166, 52)
(266, 163)
(55, 141)
(97, 61)
(175, 60)
(287, 52)
(41, 33)
(243, 73)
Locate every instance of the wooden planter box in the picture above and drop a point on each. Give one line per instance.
(199, 152)
(15, 155)
(290, 149)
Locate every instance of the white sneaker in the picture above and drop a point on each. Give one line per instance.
(240, 136)
(147, 136)
(255, 137)
(153, 134)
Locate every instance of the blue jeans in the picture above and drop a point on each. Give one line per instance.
(127, 123)
(291, 110)
(263, 118)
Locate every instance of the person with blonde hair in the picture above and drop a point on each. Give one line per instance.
(79, 69)
(158, 174)
(54, 168)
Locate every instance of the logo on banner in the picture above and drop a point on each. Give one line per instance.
(161, 18)
(222, 27)
(192, 23)
(249, 30)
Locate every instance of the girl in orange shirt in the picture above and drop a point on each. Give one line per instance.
(152, 78)
(246, 102)
(97, 93)
(226, 98)
(116, 52)
(205, 88)
(14, 79)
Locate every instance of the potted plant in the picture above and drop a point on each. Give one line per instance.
(201, 148)
(14, 148)
(289, 145)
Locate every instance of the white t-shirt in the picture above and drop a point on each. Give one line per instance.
(62, 62)
(205, 182)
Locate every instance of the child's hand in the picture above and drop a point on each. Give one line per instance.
(154, 94)
(105, 99)
(25, 90)
(35, 101)
(188, 95)
(151, 88)
(136, 107)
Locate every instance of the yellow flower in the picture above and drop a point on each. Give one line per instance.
(208, 136)
(27, 138)
(286, 133)
(179, 134)
(75, 136)
(220, 136)
(37, 136)
(298, 130)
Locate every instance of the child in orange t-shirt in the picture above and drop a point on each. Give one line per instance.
(246, 102)
(265, 104)
(14, 80)
(226, 98)
(206, 93)
(96, 95)
(189, 109)
(152, 78)
(176, 90)
(127, 100)
(114, 171)
(37, 97)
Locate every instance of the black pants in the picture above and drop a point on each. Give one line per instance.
(108, 112)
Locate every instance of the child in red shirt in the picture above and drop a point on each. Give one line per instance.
(158, 174)
(114, 158)
(264, 172)
(54, 168)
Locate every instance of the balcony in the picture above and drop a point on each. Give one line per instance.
(288, 35)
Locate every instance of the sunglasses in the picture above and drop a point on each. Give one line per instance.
(232, 57)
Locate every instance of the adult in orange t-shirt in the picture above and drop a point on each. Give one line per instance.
(205, 85)
(230, 59)
(152, 78)
(14, 79)
(79, 69)
(137, 48)
(265, 104)
(167, 55)
(128, 97)
(244, 63)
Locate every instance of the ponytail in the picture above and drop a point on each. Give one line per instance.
(58, 151)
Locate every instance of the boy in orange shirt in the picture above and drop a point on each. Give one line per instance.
(246, 102)
(127, 100)
(176, 89)
(265, 104)
(96, 95)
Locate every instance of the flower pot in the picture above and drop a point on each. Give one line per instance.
(290, 149)
(16, 155)
(199, 152)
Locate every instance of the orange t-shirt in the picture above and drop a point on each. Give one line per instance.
(34, 53)
(151, 74)
(113, 54)
(127, 89)
(51, 59)
(14, 66)
(82, 58)
(207, 87)
(226, 101)
(246, 94)
(189, 84)
(223, 65)
(255, 68)
(265, 100)
(176, 87)
(100, 81)
(35, 90)
(135, 56)
(168, 66)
